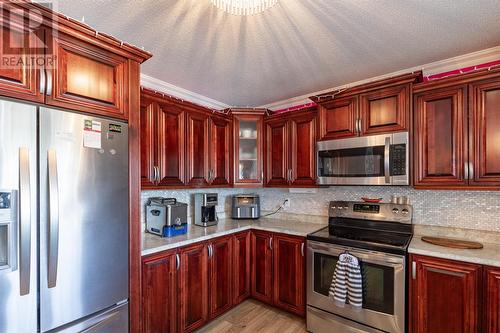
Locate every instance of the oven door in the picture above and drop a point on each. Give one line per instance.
(372, 160)
(383, 285)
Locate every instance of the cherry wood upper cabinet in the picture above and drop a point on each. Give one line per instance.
(289, 273)
(221, 275)
(338, 118)
(148, 142)
(162, 143)
(220, 151)
(303, 136)
(440, 137)
(193, 287)
(19, 79)
(159, 293)
(241, 267)
(290, 158)
(491, 307)
(87, 78)
(262, 266)
(385, 110)
(248, 132)
(445, 296)
(485, 137)
(277, 148)
(171, 144)
(197, 148)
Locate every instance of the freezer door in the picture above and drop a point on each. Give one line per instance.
(83, 216)
(18, 216)
(114, 320)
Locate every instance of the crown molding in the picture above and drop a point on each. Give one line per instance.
(180, 93)
(465, 60)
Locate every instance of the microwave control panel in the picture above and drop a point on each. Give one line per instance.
(397, 157)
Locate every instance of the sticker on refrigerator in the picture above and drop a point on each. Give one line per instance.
(92, 134)
(115, 128)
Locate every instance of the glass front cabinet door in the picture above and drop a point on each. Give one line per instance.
(248, 132)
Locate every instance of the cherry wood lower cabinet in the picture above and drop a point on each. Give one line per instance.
(278, 270)
(193, 287)
(159, 293)
(491, 307)
(262, 266)
(289, 273)
(241, 267)
(184, 288)
(221, 275)
(445, 296)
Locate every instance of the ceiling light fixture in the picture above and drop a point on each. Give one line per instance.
(244, 7)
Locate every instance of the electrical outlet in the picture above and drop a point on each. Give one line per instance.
(287, 203)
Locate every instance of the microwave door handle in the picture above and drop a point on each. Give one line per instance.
(387, 150)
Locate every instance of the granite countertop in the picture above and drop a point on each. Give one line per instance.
(153, 243)
(488, 255)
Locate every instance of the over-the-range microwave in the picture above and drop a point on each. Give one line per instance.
(370, 160)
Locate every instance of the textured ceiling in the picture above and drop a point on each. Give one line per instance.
(296, 47)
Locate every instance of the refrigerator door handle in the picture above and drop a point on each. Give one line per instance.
(24, 221)
(53, 218)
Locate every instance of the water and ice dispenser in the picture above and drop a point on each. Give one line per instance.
(8, 230)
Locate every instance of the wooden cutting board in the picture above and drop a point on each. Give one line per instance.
(454, 243)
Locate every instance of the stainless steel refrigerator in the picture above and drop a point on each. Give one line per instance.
(63, 221)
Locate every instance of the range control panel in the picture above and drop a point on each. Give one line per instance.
(387, 212)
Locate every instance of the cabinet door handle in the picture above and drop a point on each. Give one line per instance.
(466, 171)
(360, 126)
(413, 270)
(271, 243)
(471, 171)
(210, 251)
(177, 261)
(43, 81)
(49, 82)
(302, 249)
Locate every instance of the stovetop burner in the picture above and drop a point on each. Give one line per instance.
(369, 226)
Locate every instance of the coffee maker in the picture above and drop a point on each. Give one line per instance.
(205, 205)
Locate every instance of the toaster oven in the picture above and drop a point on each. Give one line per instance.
(245, 206)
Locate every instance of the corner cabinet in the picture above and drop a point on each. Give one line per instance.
(445, 296)
(262, 266)
(290, 146)
(457, 121)
(248, 147)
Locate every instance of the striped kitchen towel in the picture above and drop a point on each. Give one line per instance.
(347, 284)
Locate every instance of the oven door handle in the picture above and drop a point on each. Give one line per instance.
(368, 256)
(387, 160)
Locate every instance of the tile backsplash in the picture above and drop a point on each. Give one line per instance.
(479, 210)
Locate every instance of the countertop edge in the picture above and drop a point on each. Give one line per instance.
(223, 233)
(454, 256)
